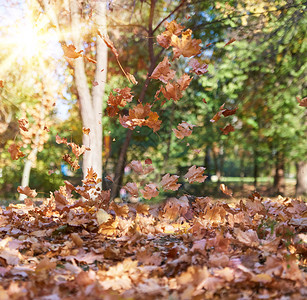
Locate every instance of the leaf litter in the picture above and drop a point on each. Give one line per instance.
(186, 248)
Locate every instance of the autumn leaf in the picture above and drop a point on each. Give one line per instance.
(15, 152)
(142, 208)
(95, 83)
(169, 182)
(137, 167)
(185, 46)
(195, 174)
(60, 200)
(76, 239)
(102, 216)
(131, 78)
(1, 83)
(172, 91)
(109, 43)
(172, 28)
(183, 129)
(76, 149)
(229, 128)
(218, 115)
(225, 190)
(90, 59)
(302, 102)
(27, 191)
(86, 130)
(132, 189)
(148, 161)
(70, 51)
(23, 124)
(120, 210)
(74, 164)
(163, 71)
(197, 68)
(60, 140)
(230, 41)
(150, 191)
(229, 112)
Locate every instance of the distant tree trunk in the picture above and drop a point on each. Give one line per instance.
(25, 180)
(301, 178)
(279, 178)
(256, 171)
(169, 140)
(91, 104)
(242, 171)
(120, 165)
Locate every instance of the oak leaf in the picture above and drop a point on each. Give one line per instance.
(60, 140)
(109, 43)
(15, 152)
(27, 191)
(132, 189)
(169, 182)
(70, 51)
(86, 130)
(302, 102)
(195, 174)
(23, 124)
(150, 191)
(225, 190)
(229, 128)
(229, 112)
(197, 68)
(183, 129)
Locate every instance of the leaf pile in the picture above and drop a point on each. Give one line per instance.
(186, 248)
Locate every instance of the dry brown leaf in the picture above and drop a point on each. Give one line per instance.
(195, 174)
(15, 152)
(27, 191)
(169, 182)
(225, 190)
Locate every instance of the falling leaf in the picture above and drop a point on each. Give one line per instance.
(183, 129)
(204, 100)
(195, 174)
(225, 190)
(109, 43)
(60, 140)
(90, 59)
(86, 130)
(217, 116)
(197, 68)
(95, 83)
(132, 189)
(229, 112)
(15, 152)
(229, 128)
(302, 102)
(172, 28)
(76, 149)
(1, 83)
(108, 177)
(148, 161)
(22, 124)
(230, 41)
(150, 191)
(169, 182)
(163, 71)
(131, 78)
(70, 51)
(27, 191)
(186, 46)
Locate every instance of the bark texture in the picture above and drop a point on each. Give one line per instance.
(301, 178)
(91, 102)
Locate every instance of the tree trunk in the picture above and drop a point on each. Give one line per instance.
(279, 178)
(120, 165)
(301, 178)
(91, 105)
(256, 171)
